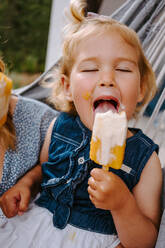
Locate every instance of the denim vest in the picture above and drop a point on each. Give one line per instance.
(66, 174)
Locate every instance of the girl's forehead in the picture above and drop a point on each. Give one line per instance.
(107, 37)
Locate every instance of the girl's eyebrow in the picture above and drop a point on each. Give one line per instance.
(126, 59)
(89, 61)
(93, 59)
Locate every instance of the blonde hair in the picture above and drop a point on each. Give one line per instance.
(81, 27)
(7, 131)
(2, 66)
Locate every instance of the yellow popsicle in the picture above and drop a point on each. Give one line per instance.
(108, 139)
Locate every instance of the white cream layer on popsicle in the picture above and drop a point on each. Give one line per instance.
(108, 139)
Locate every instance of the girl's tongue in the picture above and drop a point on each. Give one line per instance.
(105, 106)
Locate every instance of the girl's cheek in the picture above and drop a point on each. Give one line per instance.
(86, 95)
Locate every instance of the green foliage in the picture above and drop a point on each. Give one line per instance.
(24, 29)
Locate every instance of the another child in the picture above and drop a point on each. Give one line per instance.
(23, 126)
(102, 60)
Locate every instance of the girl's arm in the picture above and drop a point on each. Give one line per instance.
(136, 215)
(137, 222)
(16, 200)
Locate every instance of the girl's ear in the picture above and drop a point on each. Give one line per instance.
(66, 86)
(142, 92)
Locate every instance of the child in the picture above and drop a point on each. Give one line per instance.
(23, 125)
(102, 59)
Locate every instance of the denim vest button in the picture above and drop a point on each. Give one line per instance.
(81, 160)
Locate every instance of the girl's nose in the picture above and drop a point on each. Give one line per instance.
(107, 78)
(106, 83)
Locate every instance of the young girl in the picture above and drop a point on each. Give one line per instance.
(23, 125)
(102, 60)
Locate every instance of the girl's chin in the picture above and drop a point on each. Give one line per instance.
(88, 124)
(90, 127)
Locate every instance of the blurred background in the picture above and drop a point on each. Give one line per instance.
(24, 27)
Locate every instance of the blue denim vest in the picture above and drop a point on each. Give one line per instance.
(66, 174)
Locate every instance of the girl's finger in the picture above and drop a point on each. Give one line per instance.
(92, 183)
(91, 191)
(94, 194)
(98, 174)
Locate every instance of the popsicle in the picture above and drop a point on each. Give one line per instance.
(108, 139)
(5, 91)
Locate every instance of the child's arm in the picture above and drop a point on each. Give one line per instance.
(16, 200)
(136, 215)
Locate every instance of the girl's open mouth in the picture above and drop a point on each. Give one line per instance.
(103, 105)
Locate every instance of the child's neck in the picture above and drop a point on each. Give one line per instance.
(129, 133)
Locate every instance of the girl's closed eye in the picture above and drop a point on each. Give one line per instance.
(90, 70)
(123, 69)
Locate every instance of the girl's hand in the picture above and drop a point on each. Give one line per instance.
(15, 200)
(107, 191)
